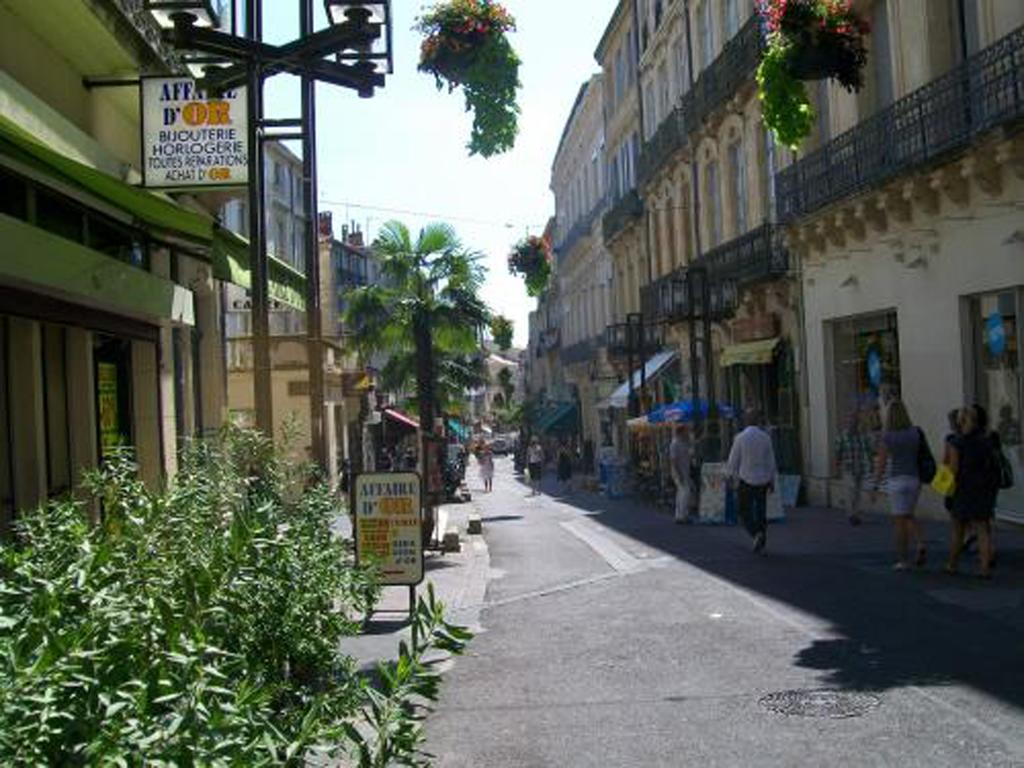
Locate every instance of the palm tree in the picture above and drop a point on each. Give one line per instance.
(425, 312)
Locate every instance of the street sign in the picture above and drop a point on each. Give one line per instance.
(190, 139)
(389, 525)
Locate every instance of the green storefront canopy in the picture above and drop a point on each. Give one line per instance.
(560, 418)
(229, 253)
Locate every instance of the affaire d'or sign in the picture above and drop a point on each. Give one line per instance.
(388, 525)
(190, 139)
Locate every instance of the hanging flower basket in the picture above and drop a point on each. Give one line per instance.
(465, 46)
(807, 40)
(531, 258)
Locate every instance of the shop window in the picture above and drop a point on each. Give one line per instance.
(13, 195)
(866, 363)
(997, 385)
(6, 452)
(59, 215)
(112, 360)
(116, 241)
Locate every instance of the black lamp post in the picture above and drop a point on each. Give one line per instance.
(353, 52)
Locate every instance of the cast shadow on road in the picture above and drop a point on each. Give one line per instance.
(892, 629)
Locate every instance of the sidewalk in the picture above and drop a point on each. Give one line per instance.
(825, 535)
(459, 579)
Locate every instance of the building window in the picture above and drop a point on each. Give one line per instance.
(732, 18)
(714, 203)
(997, 383)
(664, 92)
(865, 363)
(738, 170)
(707, 34)
(60, 216)
(620, 75)
(13, 195)
(651, 108)
(679, 65)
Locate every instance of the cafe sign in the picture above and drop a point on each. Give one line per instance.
(190, 139)
(388, 525)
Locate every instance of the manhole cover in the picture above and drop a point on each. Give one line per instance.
(820, 703)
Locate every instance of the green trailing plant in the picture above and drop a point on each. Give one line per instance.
(531, 258)
(407, 687)
(199, 625)
(466, 46)
(807, 40)
(502, 332)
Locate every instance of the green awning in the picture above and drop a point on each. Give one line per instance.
(229, 253)
(73, 270)
(559, 418)
(230, 257)
(751, 353)
(156, 211)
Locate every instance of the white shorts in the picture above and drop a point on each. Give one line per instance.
(903, 491)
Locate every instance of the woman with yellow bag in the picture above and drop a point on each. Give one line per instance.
(977, 484)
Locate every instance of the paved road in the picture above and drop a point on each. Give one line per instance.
(612, 637)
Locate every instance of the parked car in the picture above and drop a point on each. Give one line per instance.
(499, 446)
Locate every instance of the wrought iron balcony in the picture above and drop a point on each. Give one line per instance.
(658, 150)
(579, 231)
(718, 83)
(941, 118)
(580, 352)
(626, 210)
(622, 339)
(730, 70)
(668, 297)
(761, 254)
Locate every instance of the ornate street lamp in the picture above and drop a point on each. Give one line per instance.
(379, 53)
(171, 13)
(353, 52)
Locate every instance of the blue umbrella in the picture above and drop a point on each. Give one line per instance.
(683, 411)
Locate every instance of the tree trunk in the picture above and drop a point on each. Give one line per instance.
(425, 397)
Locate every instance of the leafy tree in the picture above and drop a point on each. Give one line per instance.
(502, 331)
(425, 312)
(506, 383)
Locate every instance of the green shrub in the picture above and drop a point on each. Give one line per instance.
(196, 626)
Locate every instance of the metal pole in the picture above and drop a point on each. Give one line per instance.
(257, 237)
(314, 318)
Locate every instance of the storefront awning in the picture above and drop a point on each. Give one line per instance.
(402, 418)
(653, 367)
(458, 430)
(752, 353)
(229, 253)
(560, 418)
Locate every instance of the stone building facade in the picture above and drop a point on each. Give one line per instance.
(907, 218)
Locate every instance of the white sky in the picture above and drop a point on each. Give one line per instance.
(405, 148)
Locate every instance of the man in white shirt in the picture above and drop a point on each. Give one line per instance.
(752, 464)
(679, 464)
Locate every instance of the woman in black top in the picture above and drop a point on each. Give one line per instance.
(972, 460)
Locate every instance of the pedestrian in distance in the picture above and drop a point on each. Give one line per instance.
(974, 464)
(486, 461)
(854, 457)
(535, 464)
(752, 465)
(565, 468)
(899, 459)
(679, 465)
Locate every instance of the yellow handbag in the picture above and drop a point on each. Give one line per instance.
(944, 482)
